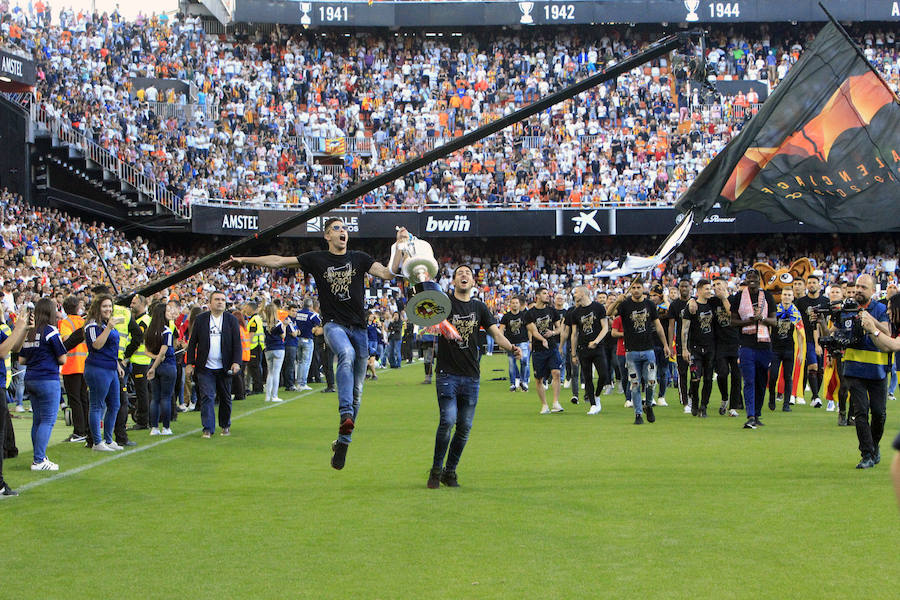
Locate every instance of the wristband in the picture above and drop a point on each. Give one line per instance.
(876, 333)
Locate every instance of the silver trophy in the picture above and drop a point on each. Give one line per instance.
(305, 7)
(427, 304)
(692, 6)
(525, 8)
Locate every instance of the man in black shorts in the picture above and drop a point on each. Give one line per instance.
(458, 375)
(545, 325)
(340, 282)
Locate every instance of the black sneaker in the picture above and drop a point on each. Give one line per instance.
(340, 454)
(574, 400)
(703, 414)
(866, 463)
(757, 422)
(512, 388)
(723, 408)
(750, 424)
(877, 458)
(638, 420)
(786, 407)
(448, 478)
(694, 410)
(648, 410)
(328, 390)
(7, 492)
(842, 420)
(772, 403)
(434, 479)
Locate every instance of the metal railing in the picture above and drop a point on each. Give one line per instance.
(142, 182)
(271, 204)
(184, 112)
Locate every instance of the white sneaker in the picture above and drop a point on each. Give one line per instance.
(582, 386)
(779, 397)
(687, 408)
(154, 431)
(277, 399)
(165, 431)
(114, 446)
(20, 409)
(798, 400)
(732, 413)
(192, 406)
(545, 410)
(891, 397)
(607, 390)
(567, 384)
(102, 447)
(557, 409)
(830, 407)
(661, 402)
(816, 403)
(629, 404)
(45, 465)
(594, 409)
(304, 388)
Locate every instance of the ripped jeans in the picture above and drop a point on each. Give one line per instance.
(641, 370)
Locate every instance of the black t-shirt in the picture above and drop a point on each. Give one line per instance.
(701, 333)
(783, 333)
(726, 334)
(662, 310)
(514, 327)
(545, 320)
(676, 308)
(807, 306)
(750, 340)
(461, 357)
(638, 324)
(588, 321)
(340, 280)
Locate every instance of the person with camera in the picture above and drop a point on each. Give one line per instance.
(865, 370)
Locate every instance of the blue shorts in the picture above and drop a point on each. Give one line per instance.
(545, 361)
(811, 356)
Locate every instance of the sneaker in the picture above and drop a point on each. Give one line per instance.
(327, 390)
(20, 409)
(347, 425)
(703, 414)
(733, 413)
(574, 400)
(115, 445)
(7, 492)
(523, 387)
(277, 399)
(165, 431)
(595, 409)
(154, 431)
(192, 407)
(648, 410)
(103, 447)
(830, 407)
(695, 411)
(816, 403)
(687, 409)
(206, 435)
(866, 463)
(771, 403)
(303, 388)
(757, 422)
(512, 388)
(779, 398)
(877, 458)
(45, 465)
(448, 478)
(891, 397)
(545, 410)
(339, 458)
(750, 424)
(661, 402)
(723, 408)
(629, 404)
(638, 420)
(842, 420)
(434, 479)
(567, 384)
(183, 407)
(75, 438)
(798, 400)
(226, 431)
(787, 407)
(556, 409)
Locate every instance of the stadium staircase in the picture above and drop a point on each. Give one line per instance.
(74, 170)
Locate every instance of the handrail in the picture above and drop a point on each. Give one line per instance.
(141, 181)
(418, 206)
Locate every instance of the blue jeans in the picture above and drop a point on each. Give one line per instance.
(490, 344)
(394, 353)
(641, 370)
(274, 360)
(521, 369)
(103, 390)
(892, 386)
(457, 397)
(161, 389)
(289, 367)
(44, 394)
(755, 372)
(214, 385)
(305, 359)
(349, 344)
(18, 384)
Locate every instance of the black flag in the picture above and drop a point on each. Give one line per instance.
(824, 148)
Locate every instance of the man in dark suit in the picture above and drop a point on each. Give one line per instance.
(214, 350)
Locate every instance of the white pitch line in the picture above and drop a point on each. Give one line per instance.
(165, 440)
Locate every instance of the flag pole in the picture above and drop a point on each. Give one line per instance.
(655, 50)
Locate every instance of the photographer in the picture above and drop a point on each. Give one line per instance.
(865, 371)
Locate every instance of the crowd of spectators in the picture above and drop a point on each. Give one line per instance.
(640, 141)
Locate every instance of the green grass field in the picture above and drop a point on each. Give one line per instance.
(554, 506)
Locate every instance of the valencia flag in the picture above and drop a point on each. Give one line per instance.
(824, 149)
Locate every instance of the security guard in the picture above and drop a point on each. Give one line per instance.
(257, 347)
(73, 370)
(140, 364)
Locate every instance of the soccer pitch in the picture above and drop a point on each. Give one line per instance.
(551, 506)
